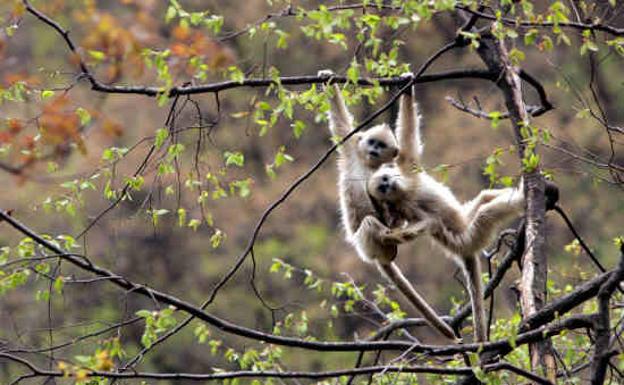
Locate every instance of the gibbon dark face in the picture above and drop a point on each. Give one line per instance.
(386, 183)
(377, 146)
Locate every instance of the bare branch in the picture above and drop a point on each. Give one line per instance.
(38, 372)
(567, 24)
(571, 227)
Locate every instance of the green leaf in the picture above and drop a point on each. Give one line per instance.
(531, 163)
(45, 94)
(214, 23)
(52, 167)
(144, 313)
(275, 267)
(161, 136)
(162, 98)
(196, 18)
(282, 41)
(181, 217)
(282, 157)
(84, 115)
(516, 56)
(236, 74)
(58, 284)
(243, 187)
(10, 30)
(158, 213)
(495, 118)
(194, 224)
(217, 238)
(353, 73)
(531, 36)
(97, 55)
(170, 14)
(298, 127)
(546, 44)
(135, 182)
(175, 150)
(235, 158)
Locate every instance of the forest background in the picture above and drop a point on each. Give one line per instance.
(167, 190)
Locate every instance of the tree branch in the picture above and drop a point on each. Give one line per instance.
(567, 24)
(38, 372)
(602, 325)
(96, 85)
(572, 229)
(557, 307)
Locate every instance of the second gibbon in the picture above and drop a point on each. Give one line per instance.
(414, 201)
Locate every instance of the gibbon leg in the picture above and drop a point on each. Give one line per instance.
(472, 272)
(392, 271)
(489, 216)
(470, 208)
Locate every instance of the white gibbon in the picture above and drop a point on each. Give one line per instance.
(414, 201)
(358, 159)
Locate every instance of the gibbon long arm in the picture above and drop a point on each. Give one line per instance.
(408, 132)
(393, 272)
(341, 122)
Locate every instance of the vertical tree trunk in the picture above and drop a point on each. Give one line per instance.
(534, 262)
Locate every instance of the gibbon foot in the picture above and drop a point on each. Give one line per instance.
(404, 234)
(393, 237)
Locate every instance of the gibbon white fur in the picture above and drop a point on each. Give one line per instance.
(414, 200)
(374, 242)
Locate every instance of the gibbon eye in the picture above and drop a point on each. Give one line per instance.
(382, 145)
(371, 142)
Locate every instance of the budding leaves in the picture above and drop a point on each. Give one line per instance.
(234, 158)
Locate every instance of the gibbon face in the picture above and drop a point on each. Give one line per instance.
(377, 146)
(386, 184)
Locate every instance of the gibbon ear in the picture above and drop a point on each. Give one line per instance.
(357, 136)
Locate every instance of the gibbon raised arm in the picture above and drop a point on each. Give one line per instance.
(409, 194)
(374, 242)
(408, 133)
